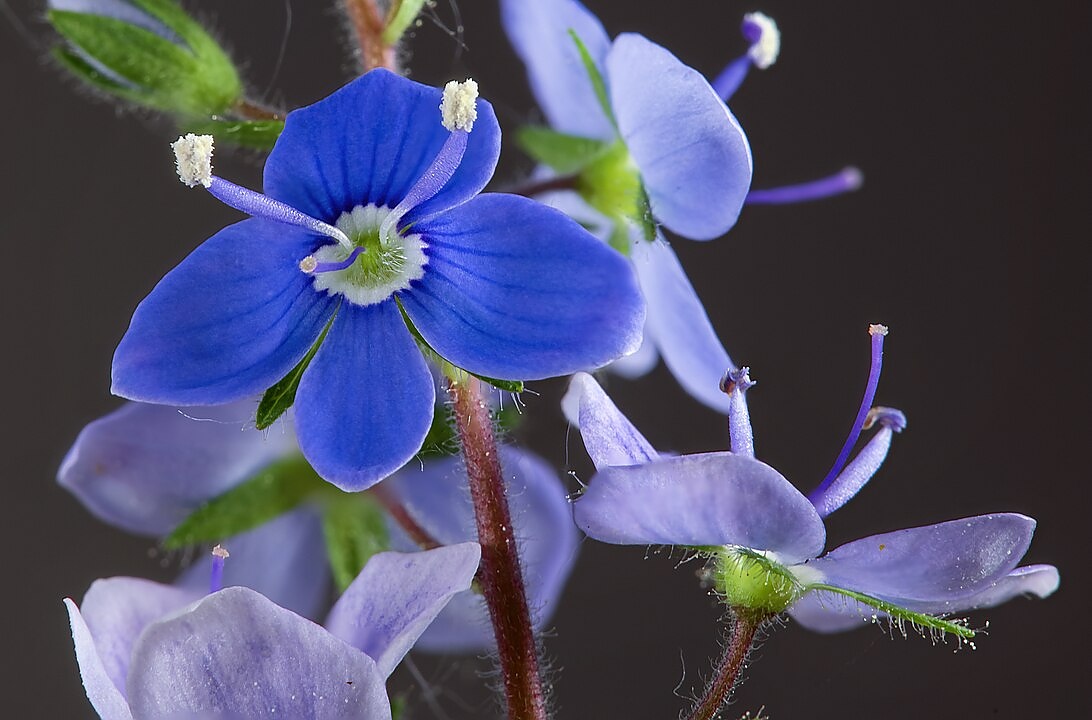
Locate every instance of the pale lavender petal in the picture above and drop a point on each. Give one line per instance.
(692, 155)
(284, 559)
(640, 363)
(936, 563)
(397, 596)
(609, 437)
(236, 654)
(679, 326)
(145, 468)
(828, 612)
(105, 696)
(697, 500)
(539, 31)
(860, 470)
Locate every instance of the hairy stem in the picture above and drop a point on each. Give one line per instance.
(499, 573)
(745, 626)
(367, 23)
(407, 522)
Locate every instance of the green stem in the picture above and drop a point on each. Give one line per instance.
(499, 573)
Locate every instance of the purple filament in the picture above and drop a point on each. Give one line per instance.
(846, 180)
(431, 182)
(216, 576)
(263, 206)
(335, 266)
(877, 332)
(730, 78)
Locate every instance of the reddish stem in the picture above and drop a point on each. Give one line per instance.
(499, 573)
(368, 25)
(251, 110)
(535, 188)
(402, 516)
(744, 628)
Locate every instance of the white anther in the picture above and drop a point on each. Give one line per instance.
(220, 551)
(193, 159)
(877, 329)
(459, 109)
(309, 264)
(764, 52)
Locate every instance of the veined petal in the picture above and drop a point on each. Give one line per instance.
(691, 152)
(695, 500)
(639, 363)
(609, 437)
(397, 596)
(105, 696)
(232, 319)
(518, 291)
(238, 655)
(284, 560)
(539, 31)
(364, 404)
(369, 142)
(679, 326)
(933, 564)
(116, 610)
(145, 468)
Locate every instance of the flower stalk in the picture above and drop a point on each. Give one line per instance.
(368, 25)
(745, 626)
(499, 574)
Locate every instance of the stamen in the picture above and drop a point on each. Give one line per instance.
(765, 39)
(459, 109)
(861, 469)
(193, 159)
(846, 180)
(877, 333)
(216, 580)
(736, 383)
(312, 266)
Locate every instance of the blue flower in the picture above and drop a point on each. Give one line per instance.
(371, 219)
(159, 652)
(145, 468)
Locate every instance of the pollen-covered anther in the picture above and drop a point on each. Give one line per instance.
(220, 552)
(877, 329)
(193, 159)
(765, 38)
(459, 109)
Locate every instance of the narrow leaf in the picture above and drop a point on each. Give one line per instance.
(598, 84)
(400, 17)
(355, 529)
(566, 154)
(277, 399)
(932, 622)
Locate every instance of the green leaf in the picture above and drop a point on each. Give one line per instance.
(564, 153)
(277, 399)
(598, 84)
(400, 17)
(256, 134)
(900, 614)
(355, 528)
(274, 491)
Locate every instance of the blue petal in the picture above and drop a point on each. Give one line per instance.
(518, 291)
(679, 326)
(694, 500)
(370, 142)
(238, 655)
(693, 157)
(640, 363)
(397, 596)
(105, 695)
(609, 437)
(145, 468)
(284, 559)
(437, 498)
(539, 31)
(364, 405)
(943, 562)
(232, 319)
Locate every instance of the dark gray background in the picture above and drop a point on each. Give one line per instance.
(970, 239)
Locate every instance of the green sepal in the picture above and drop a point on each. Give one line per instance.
(355, 529)
(564, 153)
(398, 706)
(442, 438)
(275, 490)
(449, 368)
(400, 17)
(901, 614)
(254, 134)
(278, 398)
(643, 216)
(599, 86)
(619, 236)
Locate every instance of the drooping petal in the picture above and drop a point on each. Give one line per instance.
(937, 563)
(679, 326)
(364, 405)
(284, 559)
(145, 468)
(539, 31)
(436, 496)
(369, 142)
(116, 610)
(518, 291)
(697, 500)
(691, 152)
(236, 654)
(232, 319)
(1038, 580)
(105, 695)
(609, 437)
(397, 596)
